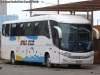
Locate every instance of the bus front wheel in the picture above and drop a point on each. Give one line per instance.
(12, 58)
(48, 62)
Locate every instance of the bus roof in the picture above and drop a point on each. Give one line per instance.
(58, 18)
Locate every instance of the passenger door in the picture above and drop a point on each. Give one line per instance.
(45, 36)
(55, 47)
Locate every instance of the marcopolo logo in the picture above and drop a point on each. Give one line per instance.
(18, 1)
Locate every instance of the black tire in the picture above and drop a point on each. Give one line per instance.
(13, 59)
(48, 62)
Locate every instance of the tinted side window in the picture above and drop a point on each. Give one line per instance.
(56, 40)
(20, 31)
(3, 30)
(32, 28)
(28, 29)
(7, 30)
(14, 29)
(52, 24)
(36, 28)
(45, 29)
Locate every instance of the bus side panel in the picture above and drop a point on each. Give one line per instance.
(34, 54)
(3, 48)
(55, 55)
(32, 48)
(20, 48)
(11, 44)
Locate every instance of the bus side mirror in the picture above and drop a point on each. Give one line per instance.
(59, 31)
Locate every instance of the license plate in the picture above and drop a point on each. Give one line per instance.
(78, 61)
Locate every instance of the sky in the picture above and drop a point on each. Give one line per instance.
(16, 8)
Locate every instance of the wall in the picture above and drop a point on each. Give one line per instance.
(3, 8)
(96, 43)
(7, 18)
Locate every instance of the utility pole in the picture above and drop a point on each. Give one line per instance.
(58, 4)
(30, 8)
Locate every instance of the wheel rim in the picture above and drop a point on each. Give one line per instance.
(12, 58)
(48, 61)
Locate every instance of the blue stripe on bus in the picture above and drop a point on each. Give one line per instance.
(34, 58)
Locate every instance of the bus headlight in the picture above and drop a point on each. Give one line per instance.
(90, 55)
(66, 54)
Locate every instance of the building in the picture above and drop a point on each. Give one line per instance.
(7, 18)
(3, 8)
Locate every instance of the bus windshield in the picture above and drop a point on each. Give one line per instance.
(76, 37)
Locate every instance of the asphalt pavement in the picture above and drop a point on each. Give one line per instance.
(38, 69)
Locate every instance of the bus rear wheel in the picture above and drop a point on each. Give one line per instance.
(12, 58)
(48, 62)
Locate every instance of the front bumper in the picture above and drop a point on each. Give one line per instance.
(77, 61)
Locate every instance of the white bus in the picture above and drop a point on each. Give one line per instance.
(50, 39)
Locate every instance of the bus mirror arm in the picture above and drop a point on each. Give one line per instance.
(59, 31)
